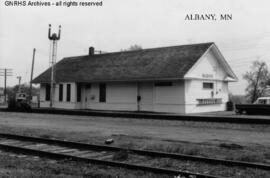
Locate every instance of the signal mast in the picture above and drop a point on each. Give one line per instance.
(53, 52)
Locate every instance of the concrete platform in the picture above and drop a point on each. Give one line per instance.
(228, 117)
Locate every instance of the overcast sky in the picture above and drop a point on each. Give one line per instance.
(119, 24)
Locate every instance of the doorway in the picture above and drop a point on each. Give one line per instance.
(145, 96)
(87, 96)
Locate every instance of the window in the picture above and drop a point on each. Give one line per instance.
(163, 84)
(79, 94)
(68, 92)
(102, 92)
(208, 85)
(60, 92)
(48, 92)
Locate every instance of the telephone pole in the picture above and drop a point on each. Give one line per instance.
(53, 38)
(32, 70)
(19, 87)
(6, 73)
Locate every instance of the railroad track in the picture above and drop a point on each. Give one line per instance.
(101, 154)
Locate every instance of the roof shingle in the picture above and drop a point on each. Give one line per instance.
(147, 64)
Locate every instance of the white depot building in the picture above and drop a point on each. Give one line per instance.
(179, 79)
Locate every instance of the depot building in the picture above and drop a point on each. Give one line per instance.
(179, 79)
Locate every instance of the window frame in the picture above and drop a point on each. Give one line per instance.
(208, 88)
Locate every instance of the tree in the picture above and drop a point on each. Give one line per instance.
(133, 48)
(11, 91)
(257, 78)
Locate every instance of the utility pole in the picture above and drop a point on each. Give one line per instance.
(31, 77)
(53, 38)
(19, 87)
(6, 73)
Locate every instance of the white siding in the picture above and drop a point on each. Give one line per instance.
(146, 91)
(60, 104)
(207, 65)
(119, 96)
(170, 98)
(122, 93)
(195, 91)
(123, 96)
(42, 96)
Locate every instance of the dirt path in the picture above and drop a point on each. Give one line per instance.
(166, 130)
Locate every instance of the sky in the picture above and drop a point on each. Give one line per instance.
(118, 24)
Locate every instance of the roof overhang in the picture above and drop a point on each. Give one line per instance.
(127, 80)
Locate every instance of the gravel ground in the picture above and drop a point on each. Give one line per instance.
(162, 129)
(221, 140)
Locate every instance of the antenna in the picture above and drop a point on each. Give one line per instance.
(53, 38)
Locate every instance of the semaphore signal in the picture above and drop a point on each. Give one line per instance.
(53, 53)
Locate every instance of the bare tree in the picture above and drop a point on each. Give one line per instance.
(133, 48)
(257, 79)
(268, 82)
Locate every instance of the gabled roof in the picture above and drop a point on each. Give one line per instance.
(230, 75)
(147, 64)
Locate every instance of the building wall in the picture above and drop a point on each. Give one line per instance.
(194, 90)
(181, 97)
(72, 104)
(123, 96)
(119, 96)
(170, 98)
(207, 70)
(42, 94)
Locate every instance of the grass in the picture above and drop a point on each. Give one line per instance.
(120, 156)
(231, 146)
(175, 148)
(249, 157)
(13, 166)
(220, 150)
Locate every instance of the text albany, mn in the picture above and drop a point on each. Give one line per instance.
(205, 17)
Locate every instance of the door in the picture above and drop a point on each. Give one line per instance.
(145, 96)
(87, 96)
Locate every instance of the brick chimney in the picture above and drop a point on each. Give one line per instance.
(91, 51)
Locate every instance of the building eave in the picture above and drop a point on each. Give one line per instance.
(128, 80)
